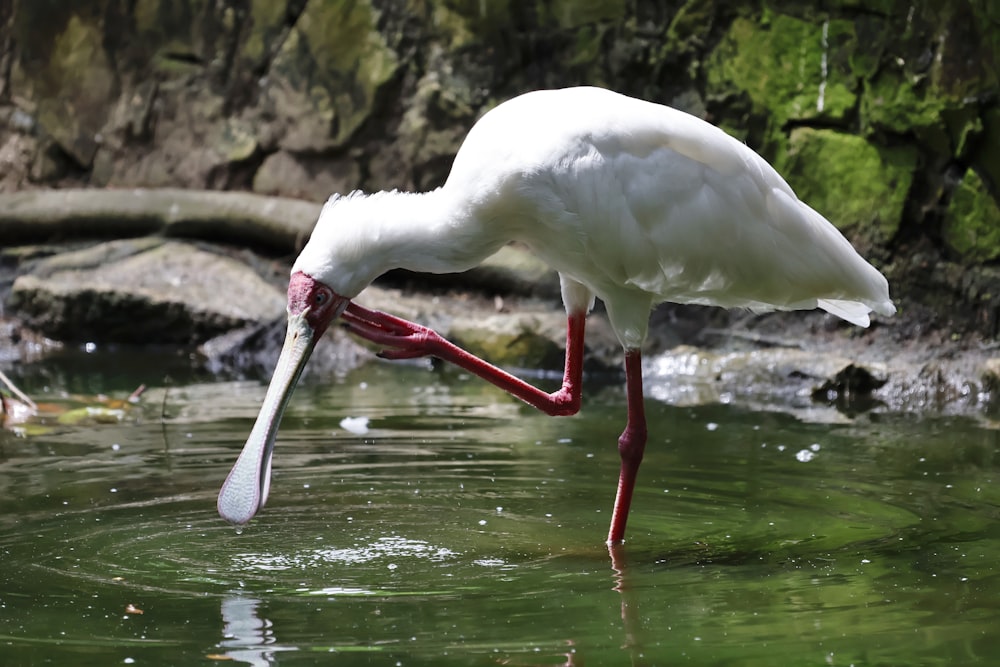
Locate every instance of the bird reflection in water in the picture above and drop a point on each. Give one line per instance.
(248, 638)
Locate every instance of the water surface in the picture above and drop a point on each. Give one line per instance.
(444, 523)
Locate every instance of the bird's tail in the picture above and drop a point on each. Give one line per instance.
(855, 312)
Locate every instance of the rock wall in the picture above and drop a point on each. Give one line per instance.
(883, 114)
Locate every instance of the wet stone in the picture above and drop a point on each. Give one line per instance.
(142, 291)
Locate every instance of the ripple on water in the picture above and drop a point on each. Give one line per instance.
(381, 549)
(174, 545)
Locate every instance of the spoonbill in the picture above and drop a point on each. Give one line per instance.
(629, 201)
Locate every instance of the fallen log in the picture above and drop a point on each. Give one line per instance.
(279, 223)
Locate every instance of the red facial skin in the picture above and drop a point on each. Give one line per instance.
(320, 303)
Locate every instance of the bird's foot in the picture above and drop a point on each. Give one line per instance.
(404, 339)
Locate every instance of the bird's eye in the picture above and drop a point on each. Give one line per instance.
(321, 298)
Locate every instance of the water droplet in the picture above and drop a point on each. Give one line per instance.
(239, 530)
(805, 455)
(711, 426)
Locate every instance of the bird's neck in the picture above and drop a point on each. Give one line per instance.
(433, 232)
(360, 237)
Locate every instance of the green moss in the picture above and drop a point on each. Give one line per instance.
(73, 83)
(987, 158)
(172, 25)
(79, 60)
(342, 36)
(236, 140)
(855, 184)
(691, 22)
(883, 7)
(524, 348)
(899, 103)
(575, 13)
(466, 21)
(475, 22)
(267, 18)
(587, 46)
(779, 63)
(145, 14)
(936, 68)
(972, 223)
(328, 72)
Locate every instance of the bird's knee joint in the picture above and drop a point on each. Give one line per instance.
(632, 444)
(565, 404)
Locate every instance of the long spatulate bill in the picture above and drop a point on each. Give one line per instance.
(245, 490)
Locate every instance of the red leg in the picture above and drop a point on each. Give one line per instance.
(409, 340)
(631, 445)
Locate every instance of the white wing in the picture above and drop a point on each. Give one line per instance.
(621, 194)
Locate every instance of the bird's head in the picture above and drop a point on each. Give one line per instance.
(314, 301)
(343, 255)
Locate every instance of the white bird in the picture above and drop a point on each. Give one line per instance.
(630, 201)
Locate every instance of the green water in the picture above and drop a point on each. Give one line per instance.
(464, 528)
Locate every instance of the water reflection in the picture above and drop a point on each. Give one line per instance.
(247, 637)
(631, 616)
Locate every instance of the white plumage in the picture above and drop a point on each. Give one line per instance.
(632, 202)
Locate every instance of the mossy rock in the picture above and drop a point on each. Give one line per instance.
(972, 223)
(267, 20)
(852, 182)
(511, 341)
(65, 67)
(903, 105)
(987, 158)
(790, 68)
(326, 76)
(576, 13)
(935, 70)
(145, 291)
(690, 25)
(474, 22)
(468, 22)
